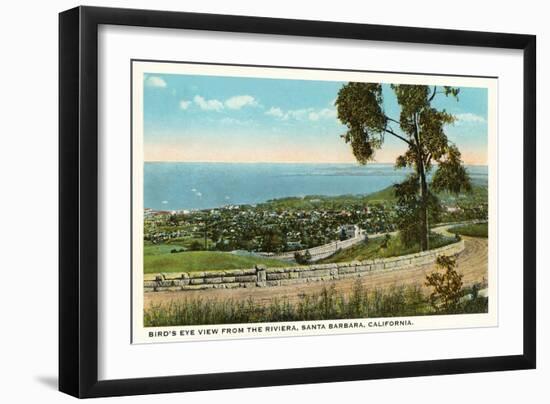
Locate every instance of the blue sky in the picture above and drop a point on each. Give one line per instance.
(210, 118)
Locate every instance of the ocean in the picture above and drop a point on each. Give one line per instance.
(177, 186)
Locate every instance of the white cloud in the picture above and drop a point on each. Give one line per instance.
(277, 112)
(325, 113)
(184, 104)
(208, 105)
(302, 114)
(297, 114)
(290, 114)
(155, 81)
(239, 101)
(234, 103)
(469, 117)
(313, 116)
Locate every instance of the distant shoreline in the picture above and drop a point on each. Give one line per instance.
(310, 198)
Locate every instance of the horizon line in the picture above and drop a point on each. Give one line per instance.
(285, 162)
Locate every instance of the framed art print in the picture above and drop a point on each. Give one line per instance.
(267, 201)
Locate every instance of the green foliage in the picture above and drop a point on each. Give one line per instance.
(342, 235)
(472, 230)
(302, 259)
(451, 175)
(272, 240)
(385, 240)
(447, 286)
(196, 245)
(360, 109)
(410, 208)
(448, 90)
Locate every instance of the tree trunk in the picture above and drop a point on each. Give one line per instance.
(424, 241)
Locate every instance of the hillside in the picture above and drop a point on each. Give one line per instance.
(479, 193)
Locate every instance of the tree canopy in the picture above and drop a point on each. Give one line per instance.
(421, 127)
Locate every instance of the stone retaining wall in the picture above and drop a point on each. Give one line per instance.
(266, 277)
(322, 251)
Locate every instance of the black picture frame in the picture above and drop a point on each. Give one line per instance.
(78, 200)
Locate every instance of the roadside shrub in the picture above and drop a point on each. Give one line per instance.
(302, 259)
(196, 246)
(447, 286)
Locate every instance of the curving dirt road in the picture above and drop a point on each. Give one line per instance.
(472, 263)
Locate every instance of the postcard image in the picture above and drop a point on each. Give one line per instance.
(283, 202)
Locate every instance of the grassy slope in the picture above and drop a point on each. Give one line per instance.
(387, 194)
(373, 249)
(472, 230)
(329, 304)
(204, 260)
